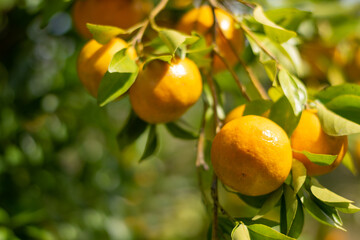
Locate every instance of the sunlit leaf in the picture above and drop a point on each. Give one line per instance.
(262, 232)
(240, 232)
(289, 18)
(294, 90)
(113, 85)
(103, 34)
(121, 62)
(334, 124)
(174, 39)
(298, 175)
(274, 31)
(348, 162)
(332, 92)
(270, 203)
(282, 114)
(326, 195)
(347, 106)
(315, 211)
(319, 159)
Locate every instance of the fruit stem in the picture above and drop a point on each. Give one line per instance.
(155, 12)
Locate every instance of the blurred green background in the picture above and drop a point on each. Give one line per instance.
(61, 173)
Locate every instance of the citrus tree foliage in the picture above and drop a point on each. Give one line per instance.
(274, 81)
(273, 37)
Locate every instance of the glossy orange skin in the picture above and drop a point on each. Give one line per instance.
(119, 13)
(252, 155)
(201, 19)
(94, 59)
(163, 92)
(309, 136)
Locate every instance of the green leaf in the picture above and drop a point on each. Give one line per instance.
(131, 131)
(347, 106)
(263, 221)
(348, 162)
(180, 132)
(257, 107)
(294, 90)
(271, 69)
(174, 39)
(348, 209)
(270, 203)
(113, 85)
(121, 74)
(278, 50)
(319, 159)
(121, 62)
(315, 211)
(334, 124)
(298, 175)
(298, 222)
(240, 232)
(275, 32)
(262, 232)
(275, 93)
(256, 202)
(325, 195)
(289, 18)
(151, 143)
(332, 92)
(282, 114)
(103, 34)
(292, 214)
(199, 52)
(164, 58)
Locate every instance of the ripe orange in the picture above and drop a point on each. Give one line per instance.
(235, 113)
(94, 59)
(252, 155)
(119, 13)
(163, 92)
(239, 111)
(201, 19)
(309, 136)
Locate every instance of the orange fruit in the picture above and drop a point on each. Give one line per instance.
(318, 55)
(119, 13)
(201, 19)
(336, 234)
(252, 155)
(94, 59)
(235, 113)
(163, 92)
(309, 136)
(239, 111)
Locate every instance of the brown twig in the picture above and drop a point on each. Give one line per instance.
(233, 74)
(200, 158)
(215, 197)
(248, 70)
